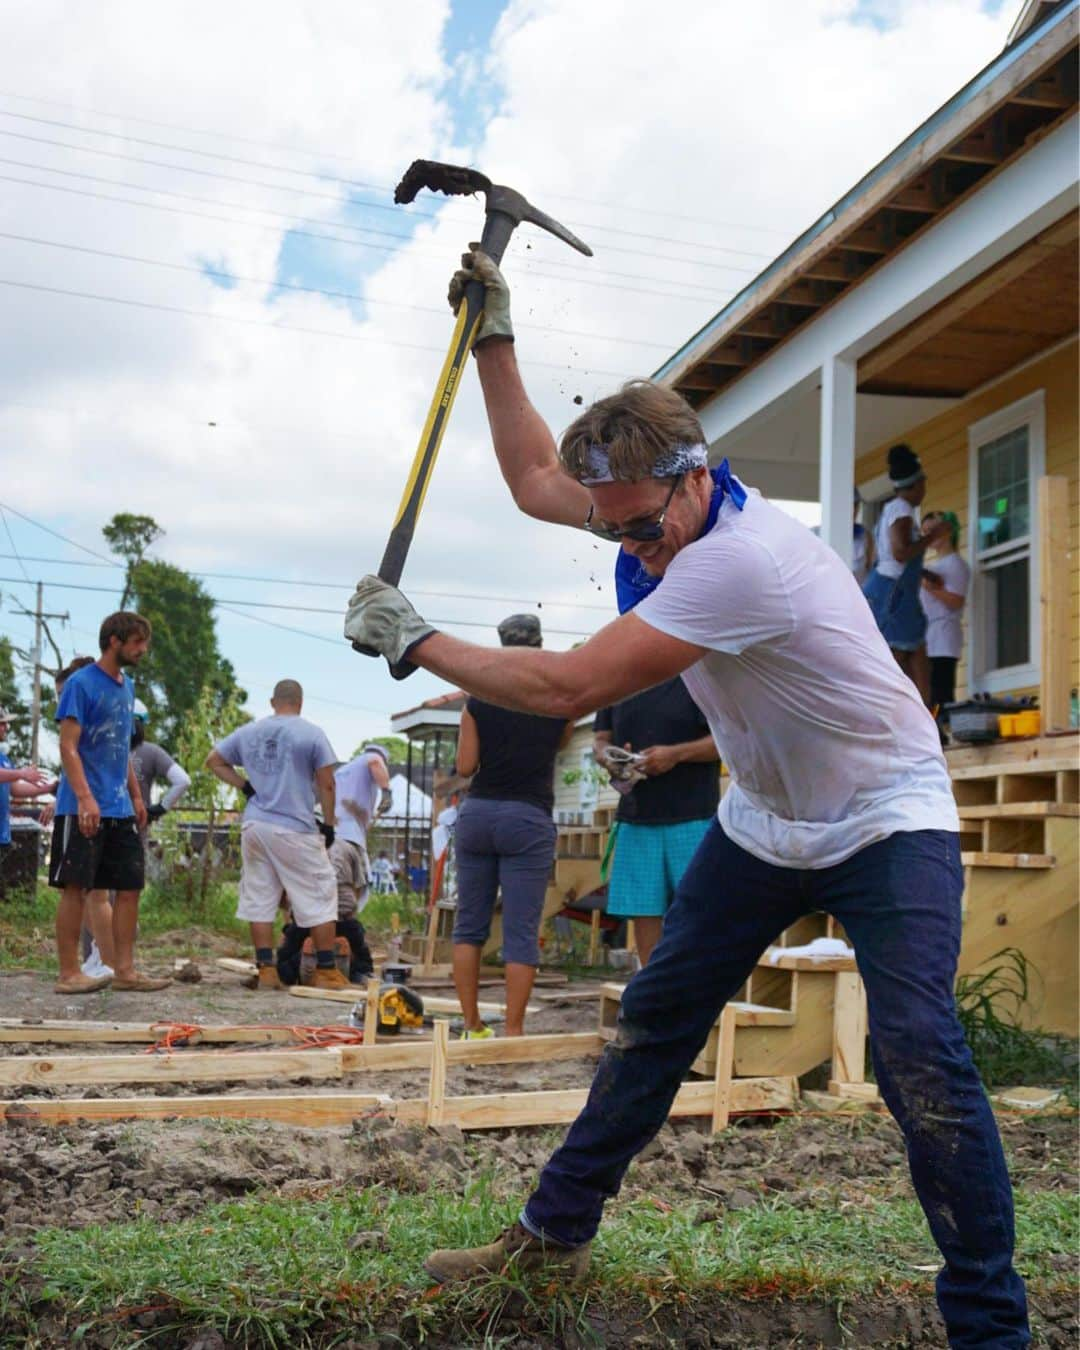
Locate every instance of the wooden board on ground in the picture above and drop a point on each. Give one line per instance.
(572, 995)
(64, 1032)
(431, 1005)
(315, 1110)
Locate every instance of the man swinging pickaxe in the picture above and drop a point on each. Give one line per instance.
(505, 209)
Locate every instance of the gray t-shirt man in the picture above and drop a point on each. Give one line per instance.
(280, 755)
(152, 764)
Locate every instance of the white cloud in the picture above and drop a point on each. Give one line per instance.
(752, 117)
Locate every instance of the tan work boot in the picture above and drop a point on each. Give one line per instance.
(515, 1245)
(269, 978)
(330, 979)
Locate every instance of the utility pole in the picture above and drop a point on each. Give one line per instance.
(39, 616)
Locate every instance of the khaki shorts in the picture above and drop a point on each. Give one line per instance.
(276, 860)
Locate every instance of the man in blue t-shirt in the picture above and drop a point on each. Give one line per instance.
(286, 759)
(99, 809)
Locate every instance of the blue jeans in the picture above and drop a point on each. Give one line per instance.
(899, 901)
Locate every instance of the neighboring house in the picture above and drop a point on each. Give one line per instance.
(935, 303)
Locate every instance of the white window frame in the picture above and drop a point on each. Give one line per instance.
(1027, 412)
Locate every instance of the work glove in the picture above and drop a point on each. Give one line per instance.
(247, 789)
(477, 266)
(327, 832)
(381, 621)
(386, 801)
(154, 812)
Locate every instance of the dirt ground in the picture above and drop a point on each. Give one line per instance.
(103, 1173)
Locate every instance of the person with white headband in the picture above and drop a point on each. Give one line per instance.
(840, 801)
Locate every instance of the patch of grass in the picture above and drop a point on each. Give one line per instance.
(989, 1002)
(272, 1270)
(409, 906)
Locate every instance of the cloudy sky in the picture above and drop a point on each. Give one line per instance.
(211, 312)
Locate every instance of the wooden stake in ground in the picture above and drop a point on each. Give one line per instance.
(725, 1067)
(371, 1013)
(437, 1084)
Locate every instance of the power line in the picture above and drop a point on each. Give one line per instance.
(338, 586)
(57, 535)
(307, 290)
(273, 327)
(371, 206)
(340, 239)
(14, 549)
(317, 175)
(226, 603)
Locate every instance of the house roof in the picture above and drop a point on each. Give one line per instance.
(1015, 101)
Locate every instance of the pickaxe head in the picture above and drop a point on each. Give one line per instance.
(455, 181)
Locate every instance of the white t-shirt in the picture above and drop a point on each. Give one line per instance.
(944, 627)
(896, 509)
(828, 745)
(353, 783)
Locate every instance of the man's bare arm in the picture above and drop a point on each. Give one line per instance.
(324, 786)
(623, 658)
(524, 446)
(222, 769)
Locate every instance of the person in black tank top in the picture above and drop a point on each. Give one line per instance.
(504, 839)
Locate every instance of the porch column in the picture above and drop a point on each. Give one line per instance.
(837, 459)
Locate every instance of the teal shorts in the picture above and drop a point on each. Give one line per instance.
(649, 863)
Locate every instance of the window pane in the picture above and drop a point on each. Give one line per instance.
(1002, 489)
(1006, 615)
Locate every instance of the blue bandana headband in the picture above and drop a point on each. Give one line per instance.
(632, 582)
(681, 458)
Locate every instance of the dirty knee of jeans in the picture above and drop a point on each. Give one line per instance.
(628, 1035)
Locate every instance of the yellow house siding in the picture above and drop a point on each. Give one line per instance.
(942, 444)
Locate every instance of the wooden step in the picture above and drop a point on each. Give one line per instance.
(782, 961)
(746, 1014)
(1027, 860)
(1019, 810)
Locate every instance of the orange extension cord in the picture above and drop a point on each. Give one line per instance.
(173, 1035)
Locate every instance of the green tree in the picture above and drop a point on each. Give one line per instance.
(130, 536)
(397, 747)
(210, 719)
(184, 658)
(18, 742)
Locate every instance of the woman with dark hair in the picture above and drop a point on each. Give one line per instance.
(504, 839)
(892, 588)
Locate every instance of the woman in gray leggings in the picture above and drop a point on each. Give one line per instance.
(505, 838)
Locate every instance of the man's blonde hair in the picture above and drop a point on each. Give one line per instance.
(635, 427)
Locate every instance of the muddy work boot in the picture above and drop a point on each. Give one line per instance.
(516, 1246)
(331, 978)
(269, 978)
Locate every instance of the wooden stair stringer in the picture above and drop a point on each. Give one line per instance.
(1036, 911)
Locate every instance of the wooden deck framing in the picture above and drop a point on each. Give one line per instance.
(717, 1099)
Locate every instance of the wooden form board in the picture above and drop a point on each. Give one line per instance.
(431, 1004)
(194, 1066)
(13, 1030)
(315, 1110)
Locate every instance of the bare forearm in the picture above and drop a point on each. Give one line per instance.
(133, 786)
(73, 770)
(327, 797)
(523, 678)
(225, 772)
(524, 445)
(702, 751)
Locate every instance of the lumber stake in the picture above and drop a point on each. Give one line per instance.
(437, 1084)
(725, 1067)
(371, 1013)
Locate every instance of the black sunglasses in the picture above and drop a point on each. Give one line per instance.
(647, 532)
